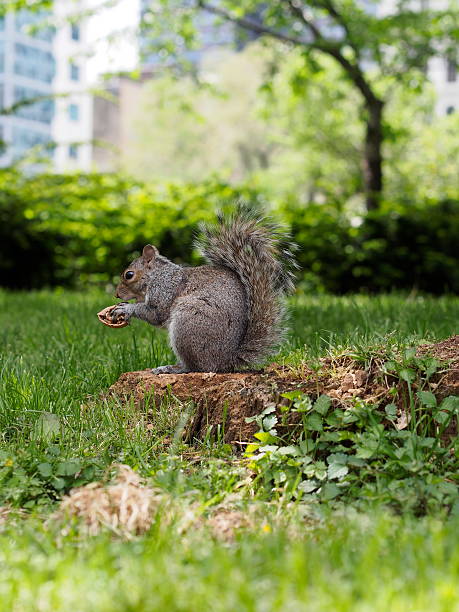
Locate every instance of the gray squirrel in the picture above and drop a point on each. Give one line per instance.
(224, 316)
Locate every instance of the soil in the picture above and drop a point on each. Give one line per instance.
(226, 400)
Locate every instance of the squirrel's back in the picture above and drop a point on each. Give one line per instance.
(259, 253)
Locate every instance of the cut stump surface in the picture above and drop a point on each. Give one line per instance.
(226, 400)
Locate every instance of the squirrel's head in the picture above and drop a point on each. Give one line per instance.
(133, 280)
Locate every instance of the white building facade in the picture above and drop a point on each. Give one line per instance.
(41, 57)
(72, 124)
(27, 70)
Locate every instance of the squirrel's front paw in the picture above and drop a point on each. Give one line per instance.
(121, 313)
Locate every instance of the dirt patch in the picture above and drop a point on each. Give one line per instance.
(222, 402)
(447, 351)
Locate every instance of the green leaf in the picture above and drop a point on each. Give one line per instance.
(337, 470)
(450, 403)
(292, 395)
(431, 366)
(390, 366)
(307, 446)
(68, 468)
(314, 422)
(45, 469)
(289, 450)
(59, 483)
(407, 374)
(320, 470)
(322, 404)
(308, 486)
(338, 458)
(391, 411)
(329, 491)
(442, 417)
(427, 399)
(269, 422)
(265, 437)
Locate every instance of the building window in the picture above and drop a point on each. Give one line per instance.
(33, 24)
(74, 72)
(34, 63)
(41, 110)
(75, 31)
(450, 110)
(451, 71)
(73, 151)
(25, 139)
(74, 112)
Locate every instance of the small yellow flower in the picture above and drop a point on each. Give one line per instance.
(266, 528)
(8, 462)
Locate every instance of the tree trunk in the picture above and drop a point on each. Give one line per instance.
(372, 163)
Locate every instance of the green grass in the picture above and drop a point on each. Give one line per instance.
(57, 431)
(343, 563)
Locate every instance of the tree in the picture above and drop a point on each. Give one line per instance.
(372, 49)
(30, 5)
(183, 130)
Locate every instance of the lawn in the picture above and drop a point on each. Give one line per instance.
(290, 553)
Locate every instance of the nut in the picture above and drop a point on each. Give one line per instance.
(105, 317)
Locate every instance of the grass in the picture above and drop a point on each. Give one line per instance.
(57, 431)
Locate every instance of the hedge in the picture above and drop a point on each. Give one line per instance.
(75, 230)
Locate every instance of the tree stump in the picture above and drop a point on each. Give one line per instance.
(226, 400)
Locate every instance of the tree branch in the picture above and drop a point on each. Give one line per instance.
(250, 24)
(319, 42)
(334, 49)
(330, 7)
(296, 9)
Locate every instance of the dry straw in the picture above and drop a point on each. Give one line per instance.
(125, 505)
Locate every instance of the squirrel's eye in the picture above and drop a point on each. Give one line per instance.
(129, 274)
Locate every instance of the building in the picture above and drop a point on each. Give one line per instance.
(41, 59)
(27, 71)
(72, 124)
(112, 114)
(444, 75)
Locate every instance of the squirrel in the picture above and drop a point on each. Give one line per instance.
(224, 316)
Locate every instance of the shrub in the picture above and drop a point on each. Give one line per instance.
(73, 229)
(401, 246)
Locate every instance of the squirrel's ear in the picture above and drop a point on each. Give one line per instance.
(149, 252)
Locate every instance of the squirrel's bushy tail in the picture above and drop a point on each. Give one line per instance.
(259, 252)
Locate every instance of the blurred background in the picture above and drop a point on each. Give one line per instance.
(124, 122)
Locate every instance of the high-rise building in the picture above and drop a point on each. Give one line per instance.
(46, 63)
(72, 124)
(27, 71)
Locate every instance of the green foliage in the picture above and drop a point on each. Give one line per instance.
(189, 130)
(343, 561)
(57, 362)
(39, 474)
(404, 245)
(87, 227)
(30, 5)
(71, 229)
(56, 359)
(363, 454)
(374, 50)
